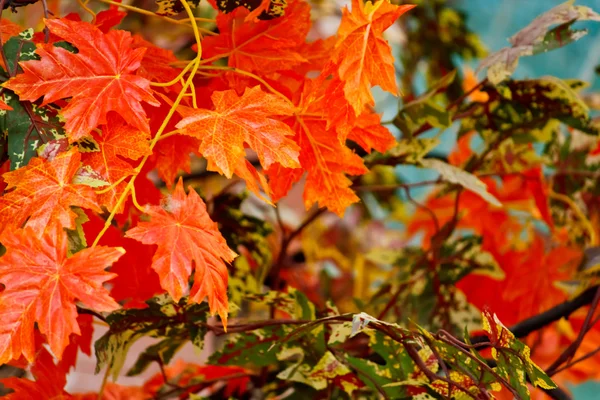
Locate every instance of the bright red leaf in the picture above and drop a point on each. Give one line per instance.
(263, 46)
(116, 141)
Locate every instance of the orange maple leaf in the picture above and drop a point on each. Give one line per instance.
(44, 193)
(236, 121)
(262, 47)
(116, 140)
(99, 78)
(185, 235)
(325, 159)
(42, 285)
(369, 134)
(364, 57)
(514, 298)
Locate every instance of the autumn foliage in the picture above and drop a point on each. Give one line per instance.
(224, 179)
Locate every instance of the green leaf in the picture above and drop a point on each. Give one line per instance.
(531, 110)
(248, 232)
(557, 37)
(276, 8)
(251, 349)
(458, 176)
(173, 7)
(76, 237)
(163, 318)
(406, 151)
(513, 358)
(27, 126)
(425, 110)
(162, 351)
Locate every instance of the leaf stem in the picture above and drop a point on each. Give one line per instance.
(177, 79)
(249, 74)
(84, 5)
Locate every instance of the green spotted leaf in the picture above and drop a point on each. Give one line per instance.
(425, 110)
(531, 110)
(27, 126)
(452, 174)
(406, 151)
(513, 358)
(173, 7)
(275, 9)
(163, 319)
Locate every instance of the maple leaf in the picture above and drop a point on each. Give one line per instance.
(116, 140)
(49, 381)
(323, 157)
(236, 121)
(369, 134)
(135, 282)
(99, 78)
(261, 47)
(42, 285)
(44, 193)
(363, 56)
(185, 236)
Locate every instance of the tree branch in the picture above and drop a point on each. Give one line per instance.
(537, 322)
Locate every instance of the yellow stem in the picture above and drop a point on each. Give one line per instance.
(162, 128)
(580, 215)
(198, 19)
(111, 187)
(193, 93)
(88, 10)
(246, 73)
(169, 134)
(103, 385)
(176, 79)
(135, 202)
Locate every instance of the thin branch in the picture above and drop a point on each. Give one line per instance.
(537, 322)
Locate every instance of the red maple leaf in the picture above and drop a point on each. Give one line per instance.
(186, 236)
(49, 381)
(263, 46)
(44, 193)
(135, 282)
(42, 285)
(99, 78)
